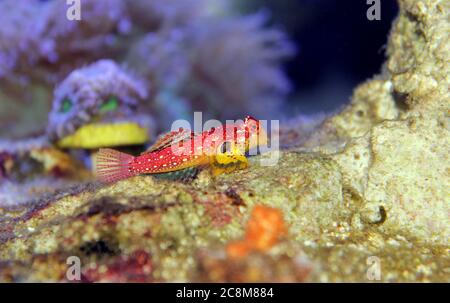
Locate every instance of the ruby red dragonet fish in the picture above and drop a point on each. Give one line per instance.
(182, 149)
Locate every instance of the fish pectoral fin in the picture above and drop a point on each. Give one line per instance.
(225, 159)
(218, 169)
(234, 156)
(228, 162)
(183, 175)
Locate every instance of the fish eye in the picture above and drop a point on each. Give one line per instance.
(253, 127)
(66, 105)
(110, 105)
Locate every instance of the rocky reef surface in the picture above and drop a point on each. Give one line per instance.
(368, 187)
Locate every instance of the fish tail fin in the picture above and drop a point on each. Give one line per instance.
(112, 165)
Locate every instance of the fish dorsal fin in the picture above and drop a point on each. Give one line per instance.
(170, 138)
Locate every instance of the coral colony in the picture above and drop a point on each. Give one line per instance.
(186, 55)
(101, 89)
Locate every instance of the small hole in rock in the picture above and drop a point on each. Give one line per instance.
(100, 247)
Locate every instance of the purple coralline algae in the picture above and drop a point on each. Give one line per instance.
(102, 89)
(195, 55)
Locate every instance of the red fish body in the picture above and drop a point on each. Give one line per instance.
(180, 150)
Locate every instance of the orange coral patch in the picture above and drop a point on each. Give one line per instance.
(264, 229)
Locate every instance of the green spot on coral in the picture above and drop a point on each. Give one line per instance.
(66, 105)
(110, 105)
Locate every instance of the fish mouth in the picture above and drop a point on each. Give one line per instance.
(106, 134)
